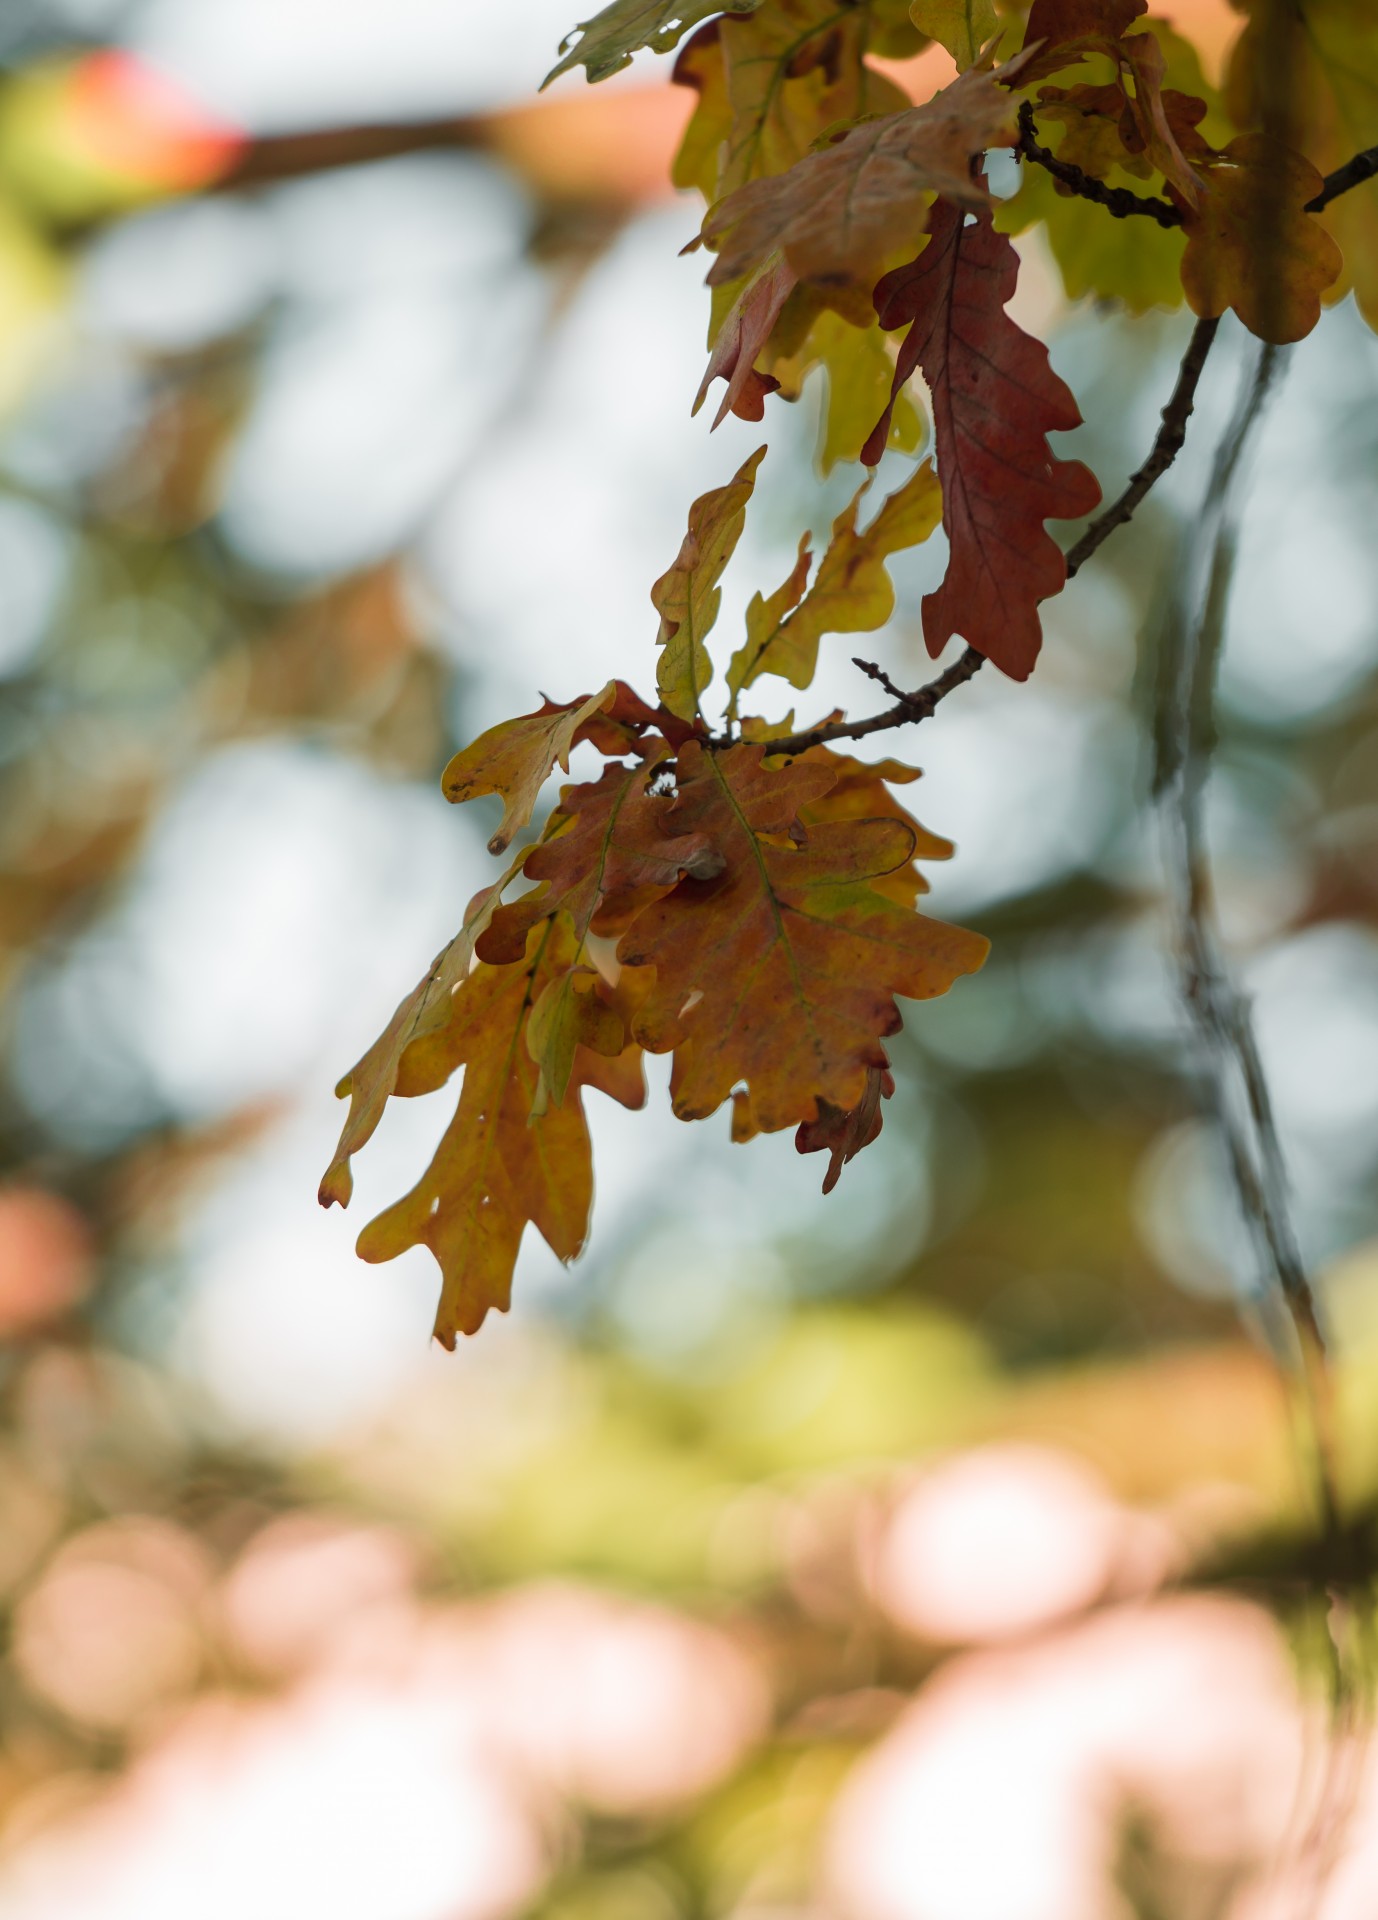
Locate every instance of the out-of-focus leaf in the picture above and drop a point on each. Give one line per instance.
(1252, 246)
(962, 26)
(1318, 94)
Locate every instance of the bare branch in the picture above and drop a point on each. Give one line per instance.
(1118, 201)
(1364, 166)
(910, 707)
(1235, 1085)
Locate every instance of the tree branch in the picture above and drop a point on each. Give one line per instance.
(922, 703)
(1118, 201)
(1353, 173)
(1236, 1087)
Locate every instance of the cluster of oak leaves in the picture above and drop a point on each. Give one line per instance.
(750, 911)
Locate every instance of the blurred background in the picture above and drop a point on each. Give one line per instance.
(939, 1551)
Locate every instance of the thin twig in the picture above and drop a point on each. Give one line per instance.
(1364, 166)
(1118, 201)
(923, 702)
(909, 708)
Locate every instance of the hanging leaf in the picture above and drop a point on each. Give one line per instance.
(611, 850)
(1307, 77)
(842, 1135)
(782, 972)
(498, 1168)
(607, 42)
(852, 592)
(840, 214)
(995, 401)
(1251, 244)
(516, 758)
(687, 596)
(741, 339)
(370, 1084)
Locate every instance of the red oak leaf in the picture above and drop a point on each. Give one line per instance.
(995, 401)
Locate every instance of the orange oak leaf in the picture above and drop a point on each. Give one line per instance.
(839, 214)
(852, 592)
(1251, 244)
(515, 759)
(843, 1135)
(995, 401)
(687, 596)
(781, 973)
(611, 851)
(371, 1082)
(861, 791)
(741, 338)
(498, 1168)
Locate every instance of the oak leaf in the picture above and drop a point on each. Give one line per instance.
(995, 400)
(687, 596)
(742, 338)
(841, 213)
(516, 758)
(781, 973)
(498, 1168)
(610, 851)
(852, 592)
(1252, 245)
(371, 1082)
(861, 791)
(842, 1135)
(1317, 93)
(607, 42)
(962, 26)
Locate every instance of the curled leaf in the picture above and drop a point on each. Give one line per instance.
(842, 1135)
(516, 758)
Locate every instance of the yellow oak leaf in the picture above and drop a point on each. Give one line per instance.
(1252, 246)
(962, 26)
(498, 1168)
(687, 596)
(515, 759)
(852, 592)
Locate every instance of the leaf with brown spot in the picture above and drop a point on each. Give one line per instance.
(781, 973)
(852, 592)
(1251, 244)
(516, 758)
(995, 401)
(497, 1168)
(687, 596)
